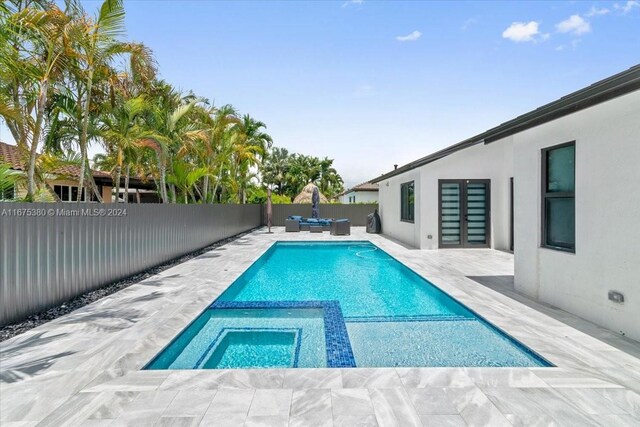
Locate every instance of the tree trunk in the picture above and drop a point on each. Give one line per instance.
(172, 188)
(205, 189)
(163, 171)
(126, 183)
(85, 133)
(33, 152)
(117, 186)
(137, 196)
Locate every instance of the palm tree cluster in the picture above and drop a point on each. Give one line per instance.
(69, 80)
(289, 173)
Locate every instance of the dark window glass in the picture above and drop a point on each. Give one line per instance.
(65, 193)
(74, 194)
(58, 190)
(559, 212)
(407, 201)
(561, 169)
(8, 193)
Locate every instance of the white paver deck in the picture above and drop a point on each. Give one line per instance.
(84, 368)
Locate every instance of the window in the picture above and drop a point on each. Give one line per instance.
(67, 193)
(407, 200)
(8, 193)
(558, 197)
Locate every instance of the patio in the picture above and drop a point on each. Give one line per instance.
(84, 368)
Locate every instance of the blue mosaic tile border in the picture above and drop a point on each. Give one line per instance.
(339, 352)
(211, 348)
(364, 319)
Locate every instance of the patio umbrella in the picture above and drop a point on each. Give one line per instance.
(315, 203)
(269, 209)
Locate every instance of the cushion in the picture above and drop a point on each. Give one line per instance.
(295, 217)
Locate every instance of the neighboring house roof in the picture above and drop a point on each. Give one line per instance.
(617, 85)
(365, 186)
(9, 154)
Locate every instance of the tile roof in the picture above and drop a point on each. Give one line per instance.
(365, 186)
(9, 154)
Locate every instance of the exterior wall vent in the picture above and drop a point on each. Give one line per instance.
(616, 297)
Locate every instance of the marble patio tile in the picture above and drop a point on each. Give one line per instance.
(355, 421)
(370, 378)
(311, 407)
(590, 401)
(179, 421)
(504, 377)
(429, 420)
(267, 421)
(573, 379)
(312, 378)
(610, 420)
(432, 401)
(628, 400)
(539, 420)
(75, 410)
(190, 403)
(30, 407)
(553, 404)
(233, 401)
(132, 381)
(112, 404)
(475, 407)
(271, 403)
(222, 419)
(351, 401)
(393, 407)
(146, 409)
(434, 377)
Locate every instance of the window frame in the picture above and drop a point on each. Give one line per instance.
(544, 195)
(412, 183)
(12, 190)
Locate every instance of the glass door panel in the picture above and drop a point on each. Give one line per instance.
(451, 213)
(476, 213)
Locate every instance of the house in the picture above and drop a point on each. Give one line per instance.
(366, 192)
(558, 186)
(63, 181)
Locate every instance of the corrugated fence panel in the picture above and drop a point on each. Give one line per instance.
(356, 213)
(50, 253)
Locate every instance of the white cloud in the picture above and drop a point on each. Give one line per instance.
(521, 32)
(413, 36)
(594, 11)
(469, 22)
(628, 6)
(575, 24)
(350, 2)
(573, 44)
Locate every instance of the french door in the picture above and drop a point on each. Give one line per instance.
(464, 213)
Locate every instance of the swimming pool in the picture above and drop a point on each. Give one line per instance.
(338, 304)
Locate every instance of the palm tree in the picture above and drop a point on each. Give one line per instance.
(96, 43)
(34, 52)
(121, 132)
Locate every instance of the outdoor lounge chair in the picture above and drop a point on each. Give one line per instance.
(291, 225)
(341, 227)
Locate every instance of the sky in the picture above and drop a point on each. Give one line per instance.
(377, 83)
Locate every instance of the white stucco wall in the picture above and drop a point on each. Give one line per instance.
(389, 209)
(607, 256)
(361, 197)
(493, 162)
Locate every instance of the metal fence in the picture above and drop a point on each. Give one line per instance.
(356, 213)
(50, 253)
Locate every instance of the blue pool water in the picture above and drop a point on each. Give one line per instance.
(338, 304)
